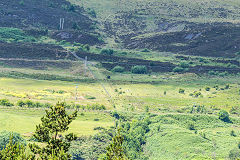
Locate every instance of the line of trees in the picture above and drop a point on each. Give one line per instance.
(31, 104)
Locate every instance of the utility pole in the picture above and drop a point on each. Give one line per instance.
(85, 65)
(61, 23)
(76, 94)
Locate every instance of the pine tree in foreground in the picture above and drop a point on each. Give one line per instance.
(115, 150)
(55, 146)
(15, 151)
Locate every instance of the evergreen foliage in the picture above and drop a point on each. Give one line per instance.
(5, 139)
(55, 122)
(224, 116)
(115, 150)
(139, 69)
(15, 151)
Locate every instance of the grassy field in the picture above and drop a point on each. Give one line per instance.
(24, 121)
(129, 92)
(124, 94)
(211, 138)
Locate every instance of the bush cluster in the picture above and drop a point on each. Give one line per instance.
(139, 69)
(198, 109)
(183, 67)
(196, 94)
(216, 73)
(224, 116)
(6, 102)
(118, 69)
(5, 138)
(181, 91)
(31, 104)
(207, 88)
(91, 12)
(90, 107)
(107, 51)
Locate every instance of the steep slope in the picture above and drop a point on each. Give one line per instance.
(180, 26)
(42, 14)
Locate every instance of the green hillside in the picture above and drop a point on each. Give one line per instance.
(150, 79)
(178, 26)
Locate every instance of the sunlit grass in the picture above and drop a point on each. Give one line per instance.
(25, 121)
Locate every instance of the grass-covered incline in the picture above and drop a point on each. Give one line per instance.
(202, 27)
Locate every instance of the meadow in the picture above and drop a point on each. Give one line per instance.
(155, 91)
(163, 95)
(209, 139)
(24, 121)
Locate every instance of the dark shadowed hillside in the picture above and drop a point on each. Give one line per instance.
(42, 14)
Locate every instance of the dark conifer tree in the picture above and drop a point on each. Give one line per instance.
(54, 123)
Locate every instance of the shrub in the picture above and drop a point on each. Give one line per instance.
(71, 8)
(145, 50)
(98, 128)
(234, 154)
(196, 94)
(90, 97)
(14, 35)
(232, 133)
(92, 12)
(181, 91)
(38, 105)
(216, 73)
(124, 53)
(237, 53)
(224, 116)
(86, 47)
(179, 69)
(191, 126)
(203, 60)
(184, 65)
(227, 86)
(60, 91)
(139, 69)
(75, 26)
(216, 87)
(207, 88)
(212, 73)
(29, 103)
(6, 102)
(235, 110)
(118, 69)
(5, 137)
(90, 107)
(203, 135)
(107, 51)
(198, 109)
(146, 109)
(21, 3)
(223, 74)
(21, 103)
(229, 65)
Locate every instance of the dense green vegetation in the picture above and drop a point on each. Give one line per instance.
(14, 35)
(149, 79)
